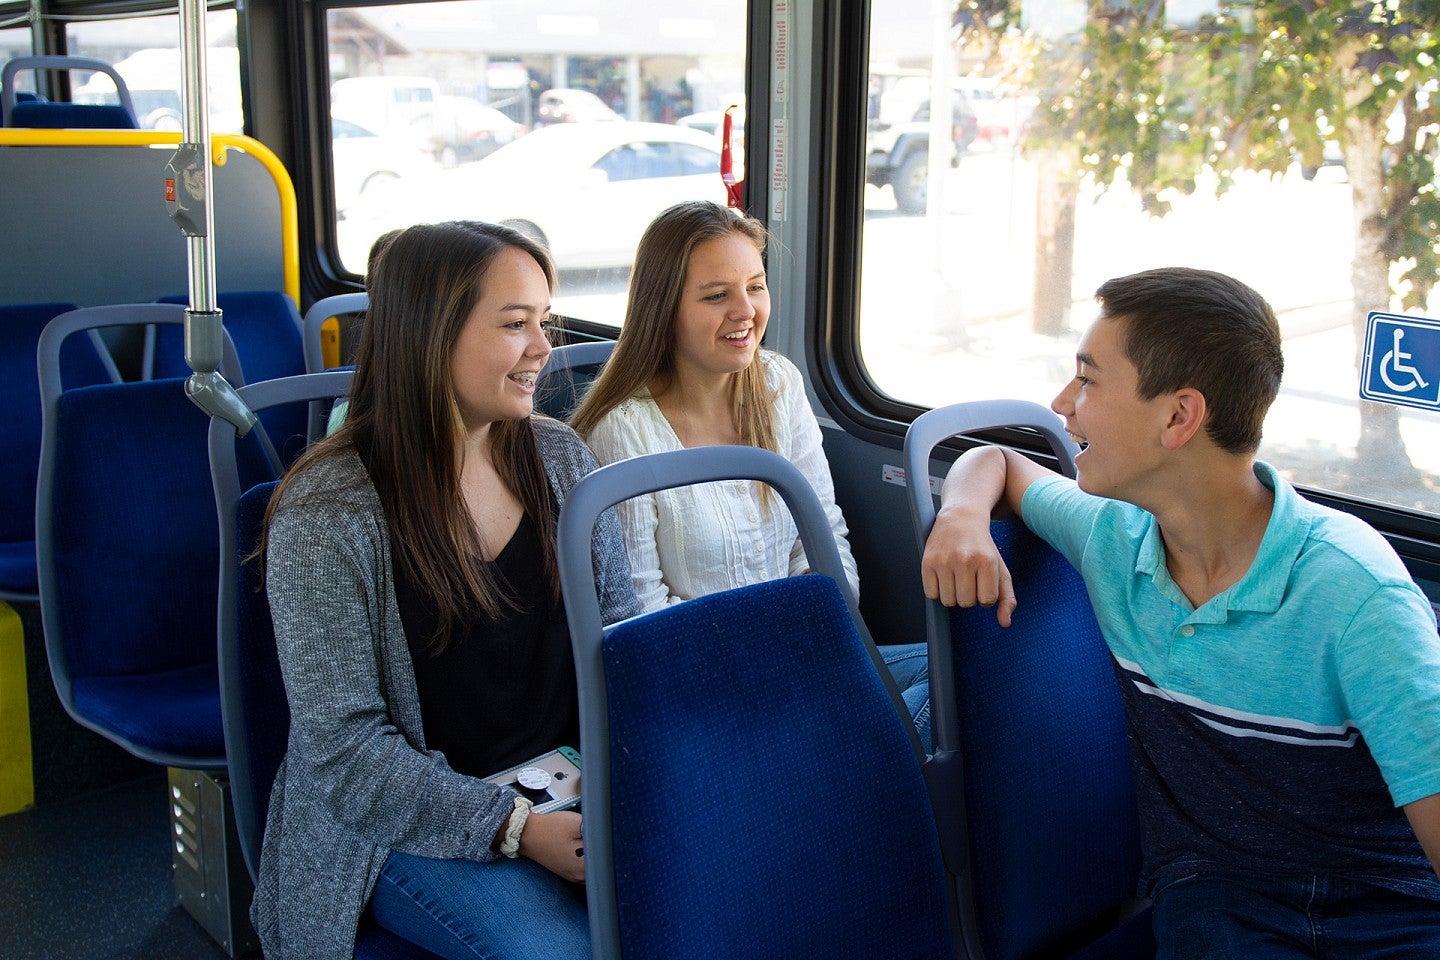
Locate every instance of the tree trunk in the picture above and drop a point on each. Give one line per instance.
(1056, 190)
(1380, 449)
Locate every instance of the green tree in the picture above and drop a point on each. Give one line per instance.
(1132, 98)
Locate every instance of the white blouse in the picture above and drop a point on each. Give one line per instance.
(690, 541)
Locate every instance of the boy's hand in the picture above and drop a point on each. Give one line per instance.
(962, 567)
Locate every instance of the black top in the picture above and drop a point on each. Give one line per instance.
(502, 691)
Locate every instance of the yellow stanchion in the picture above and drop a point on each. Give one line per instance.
(17, 773)
(330, 342)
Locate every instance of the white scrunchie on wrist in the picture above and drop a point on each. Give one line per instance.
(510, 846)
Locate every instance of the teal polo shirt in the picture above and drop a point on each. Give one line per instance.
(1276, 728)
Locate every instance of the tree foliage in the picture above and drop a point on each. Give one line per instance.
(1257, 86)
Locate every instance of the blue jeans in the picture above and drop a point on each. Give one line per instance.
(910, 666)
(1270, 918)
(460, 909)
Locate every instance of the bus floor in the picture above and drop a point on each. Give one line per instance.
(89, 878)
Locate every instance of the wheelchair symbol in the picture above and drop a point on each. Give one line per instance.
(1395, 360)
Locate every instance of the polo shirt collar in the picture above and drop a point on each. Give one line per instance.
(1264, 584)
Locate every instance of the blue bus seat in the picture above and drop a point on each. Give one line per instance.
(567, 374)
(265, 327)
(752, 781)
(71, 116)
(83, 361)
(126, 548)
(340, 305)
(312, 331)
(252, 691)
(1031, 765)
(25, 96)
(20, 111)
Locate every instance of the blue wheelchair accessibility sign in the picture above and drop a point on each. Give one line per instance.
(1402, 361)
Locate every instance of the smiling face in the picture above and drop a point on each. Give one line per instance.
(502, 345)
(1118, 431)
(723, 308)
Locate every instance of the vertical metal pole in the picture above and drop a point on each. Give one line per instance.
(191, 199)
(195, 97)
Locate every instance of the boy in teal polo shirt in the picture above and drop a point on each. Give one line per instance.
(1280, 669)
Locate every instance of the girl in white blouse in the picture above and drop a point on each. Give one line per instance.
(688, 371)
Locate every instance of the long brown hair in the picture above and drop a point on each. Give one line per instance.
(403, 422)
(645, 353)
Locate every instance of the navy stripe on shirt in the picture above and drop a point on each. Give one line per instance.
(1238, 723)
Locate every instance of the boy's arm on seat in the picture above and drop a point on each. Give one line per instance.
(1425, 820)
(961, 565)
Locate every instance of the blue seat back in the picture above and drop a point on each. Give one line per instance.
(130, 497)
(71, 116)
(567, 374)
(265, 327)
(764, 796)
(339, 305)
(1048, 783)
(1032, 771)
(256, 714)
(312, 328)
(17, 110)
(126, 547)
(83, 361)
(752, 783)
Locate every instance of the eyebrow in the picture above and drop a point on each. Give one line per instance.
(1087, 359)
(528, 307)
(725, 283)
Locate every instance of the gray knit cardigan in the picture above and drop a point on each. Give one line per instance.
(357, 780)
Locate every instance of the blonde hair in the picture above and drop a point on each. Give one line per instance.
(645, 353)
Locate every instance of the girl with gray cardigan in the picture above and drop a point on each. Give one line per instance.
(410, 562)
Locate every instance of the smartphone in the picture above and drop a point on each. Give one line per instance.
(551, 781)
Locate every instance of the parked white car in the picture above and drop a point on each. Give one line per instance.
(586, 190)
(366, 162)
(461, 129)
(572, 106)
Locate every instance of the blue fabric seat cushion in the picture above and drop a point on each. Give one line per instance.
(172, 711)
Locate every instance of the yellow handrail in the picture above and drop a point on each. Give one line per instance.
(219, 144)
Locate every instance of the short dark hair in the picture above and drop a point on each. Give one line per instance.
(1207, 331)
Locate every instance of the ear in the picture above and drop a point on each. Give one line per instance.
(1186, 416)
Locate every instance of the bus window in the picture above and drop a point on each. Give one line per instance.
(553, 124)
(146, 53)
(1078, 148)
(15, 42)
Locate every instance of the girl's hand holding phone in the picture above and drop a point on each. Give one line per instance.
(554, 841)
